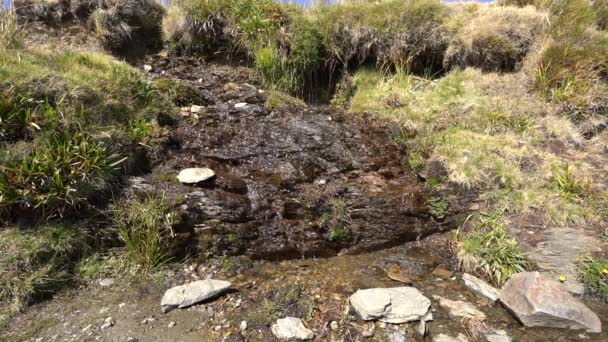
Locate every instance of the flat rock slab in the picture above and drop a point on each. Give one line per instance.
(540, 302)
(459, 308)
(185, 295)
(481, 287)
(291, 328)
(390, 305)
(195, 175)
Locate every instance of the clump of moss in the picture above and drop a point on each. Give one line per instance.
(601, 13)
(495, 39)
(487, 250)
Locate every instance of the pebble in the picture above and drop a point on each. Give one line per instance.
(132, 339)
(334, 325)
(108, 322)
(106, 282)
(171, 324)
(243, 326)
(148, 320)
(370, 331)
(382, 325)
(240, 105)
(121, 305)
(85, 329)
(147, 67)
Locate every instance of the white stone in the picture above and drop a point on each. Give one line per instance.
(396, 337)
(243, 325)
(241, 105)
(391, 305)
(171, 324)
(291, 328)
(195, 175)
(334, 325)
(481, 287)
(106, 282)
(459, 308)
(147, 67)
(197, 109)
(192, 293)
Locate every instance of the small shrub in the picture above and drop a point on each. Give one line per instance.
(593, 272)
(129, 22)
(146, 227)
(495, 39)
(35, 263)
(289, 300)
(11, 33)
(487, 250)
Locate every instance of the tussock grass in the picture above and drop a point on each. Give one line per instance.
(36, 263)
(601, 13)
(11, 33)
(495, 39)
(146, 227)
(406, 33)
(487, 250)
(123, 24)
(276, 100)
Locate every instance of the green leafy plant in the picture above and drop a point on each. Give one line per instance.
(438, 207)
(567, 183)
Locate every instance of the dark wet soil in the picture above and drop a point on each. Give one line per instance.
(292, 182)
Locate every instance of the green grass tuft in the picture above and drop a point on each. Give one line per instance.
(593, 272)
(11, 33)
(487, 250)
(35, 263)
(146, 227)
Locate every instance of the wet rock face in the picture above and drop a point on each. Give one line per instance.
(288, 184)
(539, 302)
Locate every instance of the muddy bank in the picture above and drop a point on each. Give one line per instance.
(293, 182)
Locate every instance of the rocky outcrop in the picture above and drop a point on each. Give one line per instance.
(192, 293)
(481, 287)
(391, 305)
(291, 328)
(539, 302)
(448, 338)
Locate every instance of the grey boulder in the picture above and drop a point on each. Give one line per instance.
(391, 305)
(540, 302)
(189, 294)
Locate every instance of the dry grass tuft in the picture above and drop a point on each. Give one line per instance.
(495, 39)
